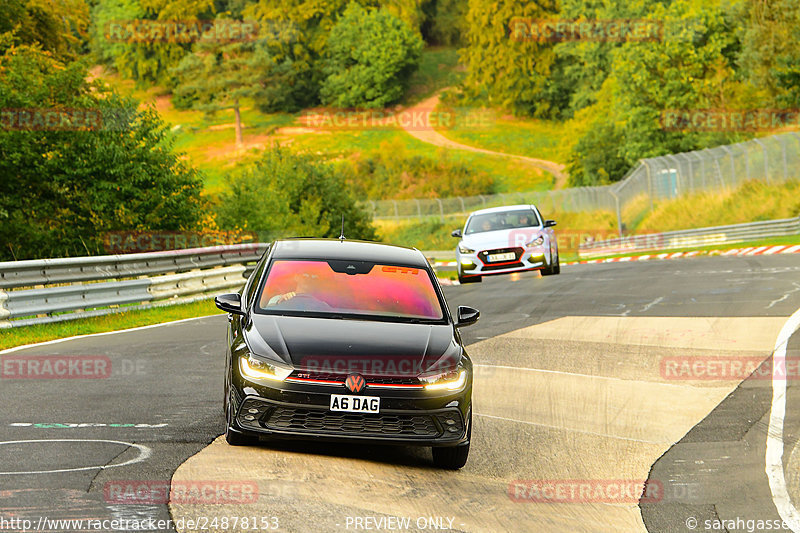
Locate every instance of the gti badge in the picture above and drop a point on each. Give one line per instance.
(355, 382)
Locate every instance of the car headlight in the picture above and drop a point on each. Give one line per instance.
(258, 370)
(452, 380)
(464, 250)
(536, 242)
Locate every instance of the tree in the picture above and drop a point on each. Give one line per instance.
(62, 188)
(769, 57)
(371, 56)
(506, 69)
(219, 77)
(148, 62)
(58, 26)
(290, 195)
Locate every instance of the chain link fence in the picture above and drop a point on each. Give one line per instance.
(771, 159)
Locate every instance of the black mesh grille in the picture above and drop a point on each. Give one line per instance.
(318, 421)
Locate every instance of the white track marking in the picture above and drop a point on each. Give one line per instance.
(144, 454)
(774, 456)
(785, 296)
(651, 304)
(791, 249)
(56, 341)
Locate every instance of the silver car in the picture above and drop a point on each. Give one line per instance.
(507, 239)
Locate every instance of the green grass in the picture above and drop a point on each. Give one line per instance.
(438, 69)
(528, 137)
(84, 326)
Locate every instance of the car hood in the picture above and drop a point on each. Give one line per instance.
(333, 345)
(507, 238)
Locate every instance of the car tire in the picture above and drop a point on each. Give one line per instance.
(453, 457)
(553, 269)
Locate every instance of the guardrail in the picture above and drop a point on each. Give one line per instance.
(692, 238)
(77, 287)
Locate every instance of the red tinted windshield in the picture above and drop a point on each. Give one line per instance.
(383, 291)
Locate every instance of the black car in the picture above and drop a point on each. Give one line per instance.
(337, 339)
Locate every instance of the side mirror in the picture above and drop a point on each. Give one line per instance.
(467, 316)
(456, 233)
(549, 223)
(230, 303)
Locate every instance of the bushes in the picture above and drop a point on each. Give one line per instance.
(392, 174)
(61, 191)
(291, 195)
(371, 56)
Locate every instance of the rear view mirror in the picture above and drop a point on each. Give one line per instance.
(230, 303)
(456, 233)
(467, 316)
(549, 223)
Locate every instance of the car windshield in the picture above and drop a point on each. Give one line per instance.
(350, 288)
(501, 220)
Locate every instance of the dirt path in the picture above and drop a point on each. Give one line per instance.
(431, 136)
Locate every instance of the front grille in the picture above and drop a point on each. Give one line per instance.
(490, 267)
(319, 421)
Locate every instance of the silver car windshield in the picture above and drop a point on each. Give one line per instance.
(502, 220)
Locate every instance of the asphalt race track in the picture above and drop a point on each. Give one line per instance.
(585, 383)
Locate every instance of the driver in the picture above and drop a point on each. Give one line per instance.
(305, 285)
(524, 221)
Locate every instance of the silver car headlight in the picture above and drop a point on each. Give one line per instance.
(464, 250)
(536, 242)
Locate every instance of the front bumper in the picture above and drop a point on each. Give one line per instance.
(477, 263)
(301, 411)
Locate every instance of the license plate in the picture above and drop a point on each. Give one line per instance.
(501, 257)
(355, 404)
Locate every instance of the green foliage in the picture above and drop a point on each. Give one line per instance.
(770, 57)
(504, 71)
(63, 190)
(290, 195)
(58, 27)
(145, 62)
(371, 56)
(445, 22)
(392, 173)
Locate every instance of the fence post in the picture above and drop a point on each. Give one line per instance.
(649, 181)
(619, 214)
(733, 168)
(419, 208)
(441, 209)
(396, 212)
(783, 152)
(766, 159)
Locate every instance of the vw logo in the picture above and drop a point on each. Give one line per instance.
(355, 382)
